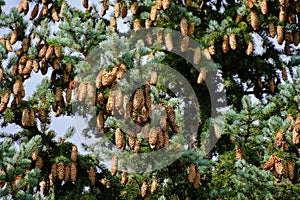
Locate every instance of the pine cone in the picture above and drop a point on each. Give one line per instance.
(279, 167)
(43, 51)
(191, 29)
(169, 42)
(82, 92)
(124, 178)
(296, 38)
(100, 98)
(250, 48)
(166, 4)
(138, 99)
(272, 30)
(57, 51)
(68, 95)
(124, 10)
(232, 41)
(238, 152)
(282, 15)
(197, 56)
(56, 64)
(113, 24)
(44, 10)
(264, 7)
(74, 153)
(8, 46)
(54, 14)
(153, 13)
(117, 9)
(85, 3)
(92, 176)
(34, 12)
(42, 115)
(28, 68)
(280, 34)
(25, 117)
(270, 163)
(284, 74)
(192, 173)
(73, 172)
(279, 138)
(184, 44)
(238, 18)
(34, 155)
(154, 185)
(184, 27)
(58, 95)
(61, 170)
(134, 7)
(197, 181)
(153, 78)
(158, 4)
(39, 163)
(188, 3)
(54, 170)
(291, 169)
(153, 136)
(99, 80)
(131, 141)
(160, 139)
(104, 9)
(31, 117)
(136, 25)
(159, 36)
(225, 44)
(67, 173)
(147, 97)
(119, 139)
(137, 147)
(114, 166)
(144, 189)
(202, 75)
(108, 78)
(254, 20)
(110, 103)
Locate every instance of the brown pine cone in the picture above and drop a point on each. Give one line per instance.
(124, 178)
(238, 152)
(34, 12)
(54, 14)
(192, 173)
(154, 185)
(197, 56)
(54, 170)
(184, 27)
(119, 139)
(124, 10)
(25, 117)
(197, 181)
(153, 136)
(67, 173)
(74, 153)
(254, 20)
(73, 172)
(225, 44)
(144, 189)
(138, 99)
(114, 166)
(279, 138)
(166, 4)
(92, 176)
(117, 9)
(134, 7)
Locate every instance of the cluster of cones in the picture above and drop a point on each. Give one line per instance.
(194, 176)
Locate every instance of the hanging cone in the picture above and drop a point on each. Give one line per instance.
(104, 9)
(114, 166)
(154, 185)
(188, 3)
(279, 167)
(91, 92)
(43, 186)
(238, 152)
(184, 27)
(238, 18)
(82, 92)
(280, 34)
(13, 37)
(54, 170)
(249, 4)
(136, 25)
(134, 7)
(159, 37)
(54, 14)
(296, 132)
(110, 104)
(158, 4)
(20, 7)
(225, 44)
(39, 163)
(100, 120)
(166, 4)
(99, 80)
(197, 56)
(68, 95)
(202, 75)
(166, 139)
(250, 48)
(287, 49)
(279, 138)
(212, 49)
(191, 28)
(296, 38)
(259, 83)
(291, 169)
(285, 146)
(171, 114)
(138, 99)
(113, 24)
(100, 99)
(67, 173)
(153, 13)
(57, 51)
(292, 18)
(147, 97)
(131, 141)
(124, 10)
(43, 51)
(153, 136)
(25, 117)
(108, 77)
(117, 9)
(31, 117)
(272, 30)
(44, 10)
(264, 7)
(270, 163)
(137, 147)
(197, 181)
(160, 139)
(8, 46)
(285, 169)
(28, 68)
(34, 12)
(232, 41)
(119, 139)
(59, 96)
(85, 3)
(73, 172)
(60, 170)
(92, 176)
(56, 64)
(272, 86)
(282, 15)
(49, 53)
(121, 71)
(254, 20)
(42, 115)
(184, 43)
(149, 38)
(25, 6)
(34, 155)
(144, 189)
(124, 178)
(192, 173)
(74, 153)
(153, 78)
(6, 96)
(169, 42)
